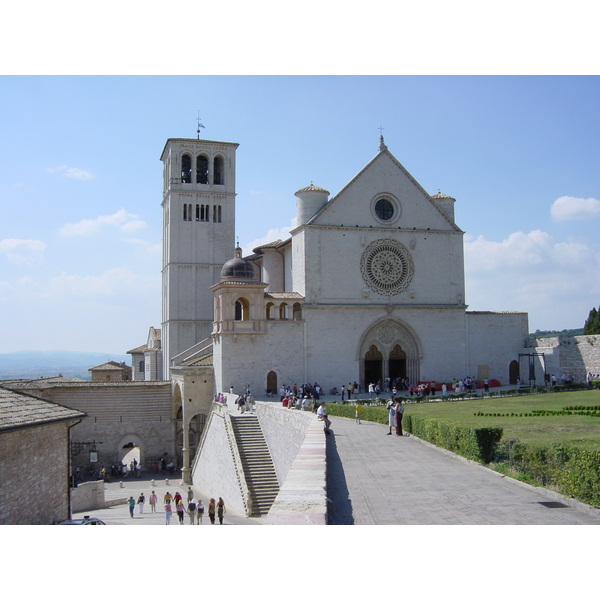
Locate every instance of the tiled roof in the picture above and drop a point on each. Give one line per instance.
(440, 196)
(311, 188)
(20, 410)
(284, 295)
(111, 365)
(201, 361)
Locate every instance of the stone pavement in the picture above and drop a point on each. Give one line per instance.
(379, 479)
(119, 514)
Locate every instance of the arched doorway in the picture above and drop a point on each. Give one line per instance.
(513, 372)
(397, 363)
(195, 433)
(272, 382)
(373, 366)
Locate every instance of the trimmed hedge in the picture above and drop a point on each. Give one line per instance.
(475, 443)
(569, 468)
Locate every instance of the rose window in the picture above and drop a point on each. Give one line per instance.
(386, 267)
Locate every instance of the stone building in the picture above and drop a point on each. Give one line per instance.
(369, 287)
(111, 371)
(147, 360)
(34, 459)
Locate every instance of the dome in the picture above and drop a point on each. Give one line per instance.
(237, 268)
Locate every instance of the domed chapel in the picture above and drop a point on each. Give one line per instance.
(370, 284)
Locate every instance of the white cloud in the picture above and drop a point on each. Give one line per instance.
(567, 208)
(282, 233)
(71, 172)
(23, 252)
(121, 220)
(556, 282)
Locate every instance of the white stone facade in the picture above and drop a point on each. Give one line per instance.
(369, 286)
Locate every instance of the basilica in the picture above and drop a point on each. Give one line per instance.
(369, 286)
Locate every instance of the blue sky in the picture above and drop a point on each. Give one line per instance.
(80, 184)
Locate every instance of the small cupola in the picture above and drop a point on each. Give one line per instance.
(311, 199)
(238, 268)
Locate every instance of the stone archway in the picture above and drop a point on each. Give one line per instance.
(389, 348)
(272, 382)
(130, 447)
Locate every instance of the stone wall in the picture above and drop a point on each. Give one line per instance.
(284, 430)
(572, 356)
(214, 470)
(34, 469)
(87, 496)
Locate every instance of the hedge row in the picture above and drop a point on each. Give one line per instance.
(570, 469)
(476, 443)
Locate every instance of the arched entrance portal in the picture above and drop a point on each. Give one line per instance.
(389, 350)
(272, 382)
(131, 447)
(513, 372)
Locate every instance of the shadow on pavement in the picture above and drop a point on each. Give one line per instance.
(339, 509)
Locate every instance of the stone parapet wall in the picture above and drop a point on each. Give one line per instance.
(302, 498)
(284, 430)
(87, 496)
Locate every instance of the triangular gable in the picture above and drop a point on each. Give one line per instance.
(383, 174)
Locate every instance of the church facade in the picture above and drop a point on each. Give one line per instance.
(369, 286)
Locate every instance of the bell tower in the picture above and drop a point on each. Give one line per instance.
(198, 204)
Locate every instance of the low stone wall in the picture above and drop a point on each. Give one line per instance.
(284, 430)
(302, 498)
(88, 496)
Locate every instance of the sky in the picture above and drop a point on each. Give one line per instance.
(80, 184)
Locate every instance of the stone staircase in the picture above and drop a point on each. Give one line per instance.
(257, 463)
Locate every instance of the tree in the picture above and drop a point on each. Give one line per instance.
(592, 324)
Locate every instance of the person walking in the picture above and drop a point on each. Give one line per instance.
(168, 498)
(192, 510)
(221, 510)
(190, 494)
(200, 512)
(399, 413)
(140, 502)
(152, 501)
(168, 512)
(180, 511)
(211, 511)
(131, 504)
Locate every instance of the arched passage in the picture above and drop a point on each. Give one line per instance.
(131, 447)
(389, 349)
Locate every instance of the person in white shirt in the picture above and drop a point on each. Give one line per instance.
(322, 415)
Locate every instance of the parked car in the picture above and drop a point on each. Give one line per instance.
(87, 520)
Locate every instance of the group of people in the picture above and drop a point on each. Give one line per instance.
(395, 414)
(245, 402)
(193, 508)
(311, 390)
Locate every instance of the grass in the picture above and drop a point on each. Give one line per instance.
(536, 430)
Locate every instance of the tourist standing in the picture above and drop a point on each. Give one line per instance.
(131, 504)
(391, 408)
(399, 414)
(211, 511)
(140, 502)
(357, 413)
(168, 512)
(200, 512)
(152, 501)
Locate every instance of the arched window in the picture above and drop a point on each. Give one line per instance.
(197, 212)
(270, 311)
(186, 169)
(142, 366)
(297, 312)
(219, 214)
(284, 311)
(187, 212)
(201, 169)
(219, 176)
(242, 310)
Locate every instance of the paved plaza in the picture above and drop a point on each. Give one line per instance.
(379, 479)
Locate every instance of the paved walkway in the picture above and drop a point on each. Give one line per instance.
(379, 479)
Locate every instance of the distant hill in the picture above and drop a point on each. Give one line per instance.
(30, 365)
(548, 334)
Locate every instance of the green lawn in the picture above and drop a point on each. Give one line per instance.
(539, 430)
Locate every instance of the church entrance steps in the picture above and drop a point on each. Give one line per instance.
(259, 471)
